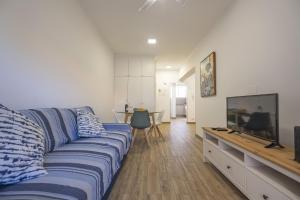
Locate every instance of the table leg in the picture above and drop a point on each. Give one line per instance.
(133, 136)
(155, 131)
(151, 130)
(126, 118)
(147, 137)
(159, 132)
(154, 123)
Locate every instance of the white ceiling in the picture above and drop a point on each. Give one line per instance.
(178, 28)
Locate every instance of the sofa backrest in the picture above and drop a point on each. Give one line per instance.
(59, 125)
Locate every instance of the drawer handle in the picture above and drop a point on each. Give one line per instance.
(228, 167)
(265, 197)
(209, 151)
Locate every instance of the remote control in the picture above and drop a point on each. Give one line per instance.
(220, 129)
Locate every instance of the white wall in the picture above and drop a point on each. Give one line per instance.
(51, 55)
(173, 110)
(164, 81)
(257, 45)
(134, 82)
(191, 107)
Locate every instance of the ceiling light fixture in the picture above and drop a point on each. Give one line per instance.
(168, 67)
(152, 41)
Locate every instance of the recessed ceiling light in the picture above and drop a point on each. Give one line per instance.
(168, 67)
(152, 41)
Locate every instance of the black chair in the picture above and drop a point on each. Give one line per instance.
(140, 120)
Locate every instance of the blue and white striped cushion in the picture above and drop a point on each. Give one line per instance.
(88, 124)
(68, 119)
(21, 147)
(51, 122)
(85, 108)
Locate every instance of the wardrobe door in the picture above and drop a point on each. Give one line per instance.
(148, 67)
(135, 67)
(135, 92)
(148, 93)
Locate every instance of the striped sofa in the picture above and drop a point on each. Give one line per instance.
(78, 168)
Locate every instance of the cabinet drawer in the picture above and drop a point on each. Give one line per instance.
(212, 153)
(235, 171)
(258, 189)
(227, 165)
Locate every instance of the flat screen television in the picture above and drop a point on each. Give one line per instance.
(255, 115)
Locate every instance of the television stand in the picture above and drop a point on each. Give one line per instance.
(274, 144)
(259, 172)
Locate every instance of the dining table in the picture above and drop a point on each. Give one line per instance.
(154, 127)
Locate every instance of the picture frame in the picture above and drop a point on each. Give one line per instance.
(208, 76)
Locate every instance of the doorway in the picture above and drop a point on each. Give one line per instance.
(175, 96)
(178, 101)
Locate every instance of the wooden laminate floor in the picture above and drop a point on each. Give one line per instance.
(171, 169)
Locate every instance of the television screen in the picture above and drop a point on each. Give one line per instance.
(256, 115)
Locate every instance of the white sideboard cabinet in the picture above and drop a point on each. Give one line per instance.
(259, 173)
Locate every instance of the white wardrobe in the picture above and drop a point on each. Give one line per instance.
(134, 82)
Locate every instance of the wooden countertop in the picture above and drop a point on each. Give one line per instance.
(281, 157)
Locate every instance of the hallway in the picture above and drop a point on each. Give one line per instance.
(171, 169)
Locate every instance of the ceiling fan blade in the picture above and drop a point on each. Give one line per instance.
(147, 4)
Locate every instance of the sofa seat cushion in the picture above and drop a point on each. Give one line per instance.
(72, 174)
(83, 169)
(120, 141)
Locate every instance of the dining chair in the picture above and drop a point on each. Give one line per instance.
(159, 117)
(158, 121)
(140, 120)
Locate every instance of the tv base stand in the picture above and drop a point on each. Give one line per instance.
(274, 144)
(235, 132)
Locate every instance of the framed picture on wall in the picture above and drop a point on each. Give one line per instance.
(208, 76)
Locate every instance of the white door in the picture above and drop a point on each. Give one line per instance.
(135, 67)
(135, 92)
(148, 93)
(148, 67)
